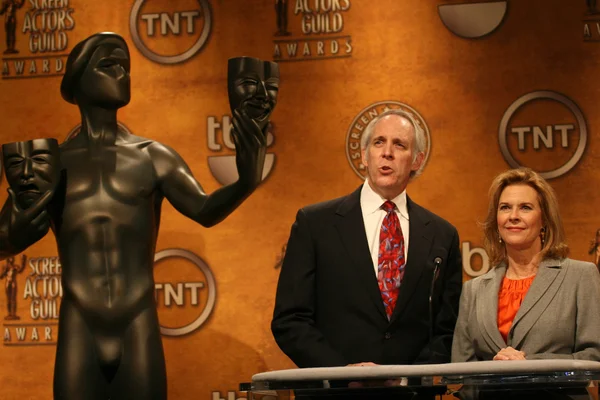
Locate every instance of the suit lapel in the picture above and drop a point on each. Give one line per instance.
(419, 246)
(486, 301)
(550, 276)
(351, 228)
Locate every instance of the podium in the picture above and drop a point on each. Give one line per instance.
(529, 379)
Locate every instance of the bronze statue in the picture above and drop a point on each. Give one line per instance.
(10, 272)
(105, 215)
(10, 7)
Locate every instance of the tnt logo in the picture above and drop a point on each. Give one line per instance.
(186, 302)
(223, 167)
(545, 131)
(170, 32)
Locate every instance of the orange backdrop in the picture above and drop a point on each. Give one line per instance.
(340, 58)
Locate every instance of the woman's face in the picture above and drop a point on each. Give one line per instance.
(519, 218)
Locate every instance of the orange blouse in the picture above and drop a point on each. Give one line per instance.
(511, 295)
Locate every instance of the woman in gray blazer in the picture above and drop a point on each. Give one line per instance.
(535, 303)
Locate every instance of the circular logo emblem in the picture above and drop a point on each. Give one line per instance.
(545, 131)
(200, 294)
(359, 124)
(189, 28)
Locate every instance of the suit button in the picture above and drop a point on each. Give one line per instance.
(388, 335)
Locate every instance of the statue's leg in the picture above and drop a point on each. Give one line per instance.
(7, 31)
(8, 302)
(12, 34)
(77, 371)
(11, 299)
(142, 372)
(284, 16)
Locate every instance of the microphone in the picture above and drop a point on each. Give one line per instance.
(436, 269)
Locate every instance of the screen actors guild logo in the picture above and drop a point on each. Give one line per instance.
(158, 33)
(9, 273)
(473, 20)
(360, 122)
(47, 24)
(527, 138)
(321, 23)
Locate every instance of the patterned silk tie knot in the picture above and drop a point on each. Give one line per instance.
(388, 206)
(391, 263)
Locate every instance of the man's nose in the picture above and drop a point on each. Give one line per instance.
(388, 150)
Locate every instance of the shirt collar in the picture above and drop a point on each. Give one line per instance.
(371, 202)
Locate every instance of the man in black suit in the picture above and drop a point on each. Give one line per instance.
(334, 280)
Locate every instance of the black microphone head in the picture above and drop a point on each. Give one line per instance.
(437, 260)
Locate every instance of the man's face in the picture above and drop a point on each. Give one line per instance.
(105, 81)
(253, 85)
(389, 156)
(31, 168)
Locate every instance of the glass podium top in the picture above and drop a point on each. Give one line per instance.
(434, 379)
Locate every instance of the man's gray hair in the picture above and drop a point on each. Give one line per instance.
(420, 140)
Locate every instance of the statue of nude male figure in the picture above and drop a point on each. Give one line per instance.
(105, 214)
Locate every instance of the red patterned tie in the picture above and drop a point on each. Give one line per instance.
(390, 266)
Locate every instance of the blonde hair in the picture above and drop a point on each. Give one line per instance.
(554, 236)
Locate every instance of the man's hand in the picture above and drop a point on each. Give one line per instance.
(27, 226)
(362, 364)
(508, 353)
(250, 147)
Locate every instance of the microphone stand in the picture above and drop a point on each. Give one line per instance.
(436, 267)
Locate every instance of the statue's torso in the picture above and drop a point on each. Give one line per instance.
(107, 231)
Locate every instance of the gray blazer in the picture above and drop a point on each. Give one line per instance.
(558, 318)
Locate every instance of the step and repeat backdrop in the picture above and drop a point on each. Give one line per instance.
(495, 85)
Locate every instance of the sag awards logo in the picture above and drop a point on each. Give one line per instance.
(36, 37)
(173, 35)
(359, 124)
(183, 304)
(42, 291)
(222, 166)
(591, 22)
(545, 131)
(473, 20)
(317, 30)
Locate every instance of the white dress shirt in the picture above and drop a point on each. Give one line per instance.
(370, 203)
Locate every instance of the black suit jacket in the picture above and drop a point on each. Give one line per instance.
(328, 309)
